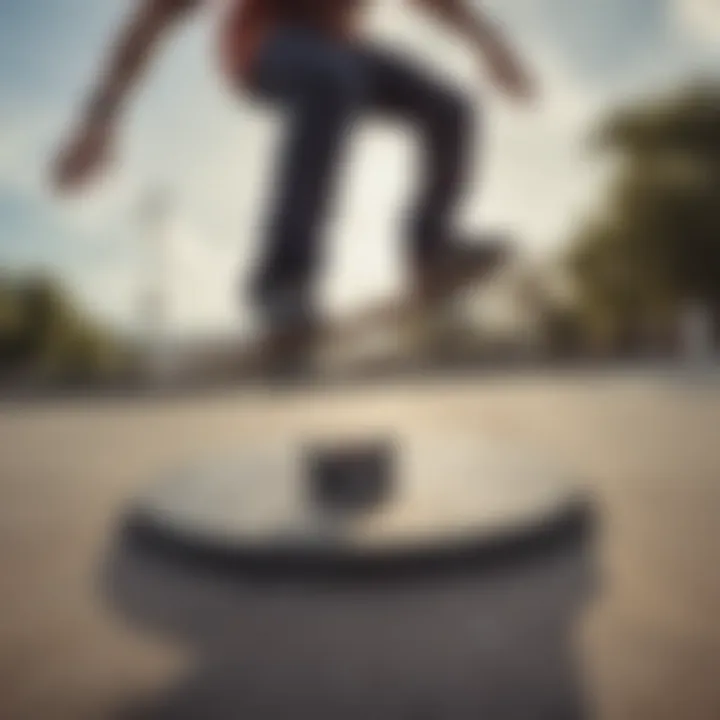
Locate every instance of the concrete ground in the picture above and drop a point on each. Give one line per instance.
(647, 443)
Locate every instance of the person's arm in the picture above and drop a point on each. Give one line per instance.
(88, 148)
(505, 67)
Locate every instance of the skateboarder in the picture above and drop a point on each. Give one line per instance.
(308, 58)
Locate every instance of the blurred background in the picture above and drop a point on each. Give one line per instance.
(609, 188)
(598, 343)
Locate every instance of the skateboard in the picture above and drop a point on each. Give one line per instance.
(414, 318)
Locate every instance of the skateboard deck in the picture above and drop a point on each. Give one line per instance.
(405, 317)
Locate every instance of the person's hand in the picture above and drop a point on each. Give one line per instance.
(84, 156)
(509, 76)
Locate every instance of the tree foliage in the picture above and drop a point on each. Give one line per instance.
(43, 333)
(657, 245)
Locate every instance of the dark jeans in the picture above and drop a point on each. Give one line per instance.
(324, 86)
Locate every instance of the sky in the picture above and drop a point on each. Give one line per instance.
(209, 150)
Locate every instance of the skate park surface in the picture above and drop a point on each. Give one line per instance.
(644, 441)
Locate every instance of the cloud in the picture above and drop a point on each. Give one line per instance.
(699, 19)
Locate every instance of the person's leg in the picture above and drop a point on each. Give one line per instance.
(447, 124)
(321, 86)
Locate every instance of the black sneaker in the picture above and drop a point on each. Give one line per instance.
(456, 265)
(289, 326)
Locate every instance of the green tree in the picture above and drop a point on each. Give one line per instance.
(658, 243)
(44, 334)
